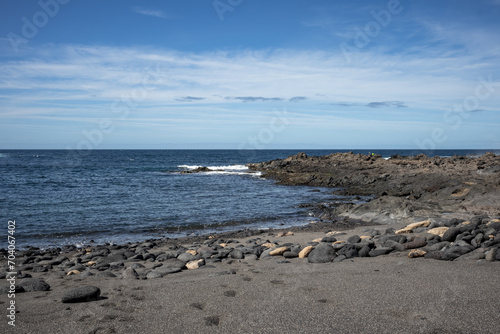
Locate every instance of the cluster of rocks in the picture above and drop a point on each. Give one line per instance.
(475, 239)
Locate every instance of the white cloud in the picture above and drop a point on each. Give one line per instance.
(150, 12)
(75, 84)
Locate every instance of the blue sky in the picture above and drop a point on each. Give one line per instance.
(249, 74)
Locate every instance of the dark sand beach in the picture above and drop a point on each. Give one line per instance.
(366, 268)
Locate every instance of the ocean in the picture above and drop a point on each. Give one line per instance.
(60, 197)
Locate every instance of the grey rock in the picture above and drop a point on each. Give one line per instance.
(136, 265)
(153, 274)
(478, 239)
(186, 257)
(437, 255)
(130, 273)
(322, 253)
(81, 294)
(290, 255)
(340, 258)
(438, 246)
(451, 234)
(105, 274)
(236, 254)
(173, 263)
(379, 251)
(329, 238)
(165, 270)
(34, 284)
(363, 252)
(6, 289)
(476, 254)
(491, 254)
(266, 254)
(416, 243)
(112, 258)
(394, 245)
(354, 239)
(346, 248)
(453, 252)
(165, 257)
(251, 257)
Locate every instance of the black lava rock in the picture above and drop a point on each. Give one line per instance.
(323, 253)
(81, 294)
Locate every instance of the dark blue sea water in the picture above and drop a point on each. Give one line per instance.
(59, 197)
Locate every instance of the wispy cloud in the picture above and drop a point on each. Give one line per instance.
(77, 83)
(190, 99)
(386, 104)
(150, 12)
(255, 99)
(297, 99)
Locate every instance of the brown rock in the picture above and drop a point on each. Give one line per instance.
(195, 264)
(73, 272)
(416, 253)
(438, 231)
(192, 252)
(279, 251)
(305, 252)
(409, 228)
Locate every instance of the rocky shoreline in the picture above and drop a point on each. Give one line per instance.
(438, 208)
(404, 188)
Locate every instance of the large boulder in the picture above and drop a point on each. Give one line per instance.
(322, 253)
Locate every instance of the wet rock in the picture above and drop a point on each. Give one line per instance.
(81, 294)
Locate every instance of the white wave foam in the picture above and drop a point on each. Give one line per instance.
(225, 168)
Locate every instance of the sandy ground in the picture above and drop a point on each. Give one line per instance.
(386, 294)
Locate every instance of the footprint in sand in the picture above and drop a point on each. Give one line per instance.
(199, 306)
(230, 293)
(212, 321)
